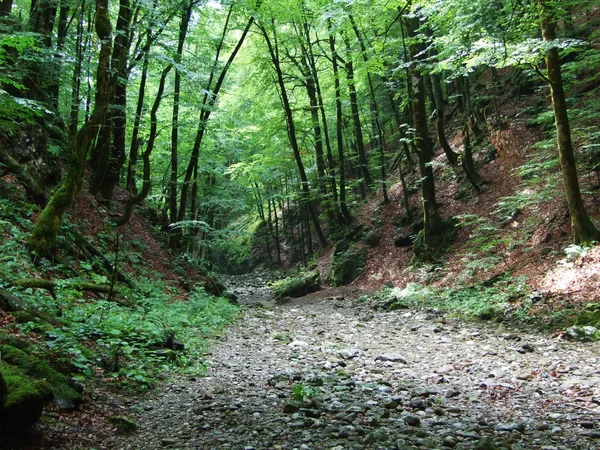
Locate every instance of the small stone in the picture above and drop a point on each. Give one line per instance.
(411, 420)
(165, 442)
(485, 443)
(587, 425)
(314, 413)
(290, 408)
(349, 353)
(393, 357)
(449, 442)
(520, 427)
(542, 427)
(451, 394)
(528, 348)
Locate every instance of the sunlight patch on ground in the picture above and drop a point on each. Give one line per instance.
(579, 275)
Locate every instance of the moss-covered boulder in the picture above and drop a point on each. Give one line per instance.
(3, 392)
(38, 368)
(25, 398)
(347, 265)
(298, 286)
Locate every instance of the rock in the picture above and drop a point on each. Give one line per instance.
(583, 333)
(485, 443)
(3, 392)
(411, 420)
(520, 427)
(313, 413)
(165, 442)
(290, 408)
(123, 424)
(349, 353)
(449, 442)
(393, 357)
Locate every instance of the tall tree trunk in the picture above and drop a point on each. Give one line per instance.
(358, 135)
(208, 102)
(378, 139)
(76, 79)
(173, 216)
(584, 231)
(291, 128)
(5, 7)
(432, 222)
(135, 140)
(339, 131)
(333, 200)
(46, 229)
(110, 149)
(438, 99)
(146, 182)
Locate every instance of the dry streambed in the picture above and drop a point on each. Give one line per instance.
(406, 379)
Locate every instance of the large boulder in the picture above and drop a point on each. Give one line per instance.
(25, 398)
(3, 391)
(298, 286)
(347, 265)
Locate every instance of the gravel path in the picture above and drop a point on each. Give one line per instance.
(405, 379)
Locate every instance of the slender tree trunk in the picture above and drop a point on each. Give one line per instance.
(339, 126)
(438, 99)
(135, 139)
(174, 175)
(378, 139)
(208, 103)
(333, 200)
(358, 135)
(291, 128)
(76, 79)
(584, 231)
(146, 182)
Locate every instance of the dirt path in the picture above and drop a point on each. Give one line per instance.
(392, 380)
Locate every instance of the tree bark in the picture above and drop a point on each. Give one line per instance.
(358, 135)
(339, 131)
(584, 231)
(47, 227)
(174, 175)
(432, 222)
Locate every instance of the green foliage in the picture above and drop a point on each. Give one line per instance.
(305, 394)
(476, 302)
(128, 338)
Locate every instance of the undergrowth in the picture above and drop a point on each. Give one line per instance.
(150, 326)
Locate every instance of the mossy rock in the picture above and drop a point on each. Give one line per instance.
(40, 325)
(491, 313)
(123, 424)
(3, 392)
(372, 238)
(25, 398)
(298, 286)
(437, 243)
(66, 396)
(347, 266)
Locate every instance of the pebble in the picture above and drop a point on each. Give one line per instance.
(465, 386)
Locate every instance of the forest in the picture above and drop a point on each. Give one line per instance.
(295, 201)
